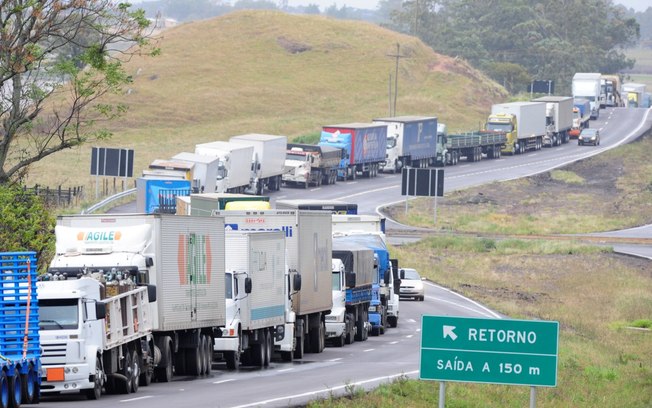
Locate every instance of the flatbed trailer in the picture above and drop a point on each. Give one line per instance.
(473, 144)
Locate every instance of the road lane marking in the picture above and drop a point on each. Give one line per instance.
(284, 370)
(394, 342)
(335, 359)
(224, 381)
(367, 350)
(137, 398)
(409, 336)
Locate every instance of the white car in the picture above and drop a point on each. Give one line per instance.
(411, 284)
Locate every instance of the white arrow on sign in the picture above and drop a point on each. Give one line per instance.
(448, 331)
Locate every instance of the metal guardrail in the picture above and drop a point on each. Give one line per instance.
(108, 200)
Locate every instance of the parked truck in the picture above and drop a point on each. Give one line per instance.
(559, 119)
(20, 366)
(354, 267)
(369, 231)
(308, 281)
(363, 146)
(159, 195)
(610, 91)
(586, 85)
(581, 117)
(634, 92)
(471, 145)
(307, 164)
(523, 122)
(411, 141)
(255, 297)
(204, 171)
(234, 171)
(268, 160)
(130, 298)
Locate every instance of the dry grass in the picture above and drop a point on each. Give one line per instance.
(271, 72)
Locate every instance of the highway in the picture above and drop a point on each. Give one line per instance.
(363, 365)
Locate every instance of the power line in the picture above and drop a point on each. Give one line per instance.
(398, 56)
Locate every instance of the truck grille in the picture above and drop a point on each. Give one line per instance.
(54, 353)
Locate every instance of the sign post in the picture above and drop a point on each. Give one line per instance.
(498, 351)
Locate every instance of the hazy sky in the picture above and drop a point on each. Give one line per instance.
(638, 5)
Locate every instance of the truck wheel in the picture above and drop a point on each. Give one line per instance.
(4, 389)
(30, 385)
(15, 389)
(124, 384)
(299, 346)
(135, 371)
(193, 361)
(392, 321)
(208, 354)
(354, 174)
(360, 330)
(257, 352)
(146, 367)
(164, 371)
(96, 392)
(232, 359)
(339, 341)
(268, 347)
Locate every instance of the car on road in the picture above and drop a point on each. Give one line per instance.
(589, 136)
(411, 284)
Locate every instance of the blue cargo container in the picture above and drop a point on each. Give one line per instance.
(364, 145)
(158, 196)
(20, 362)
(411, 141)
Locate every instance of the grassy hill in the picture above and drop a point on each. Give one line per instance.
(271, 72)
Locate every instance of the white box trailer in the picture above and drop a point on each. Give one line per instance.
(559, 117)
(268, 158)
(309, 253)
(204, 171)
(524, 122)
(586, 85)
(256, 296)
(633, 94)
(234, 168)
(183, 256)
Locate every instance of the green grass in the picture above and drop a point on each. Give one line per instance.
(239, 73)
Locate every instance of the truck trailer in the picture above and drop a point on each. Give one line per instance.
(255, 297)
(354, 267)
(471, 145)
(363, 146)
(268, 160)
(332, 206)
(307, 164)
(610, 91)
(234, 174)
(309, 253)
(586, 85)
(523, 122)
(20, 366)
(633, 93)
(581, 116)
(140, 297)
(559, 119)
(411, 141)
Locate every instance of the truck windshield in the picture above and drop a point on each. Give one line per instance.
(221, 170)
(294, 156)
(499, 127)
(391, 142)
(228, 285)
(58, 314)
(336, 280)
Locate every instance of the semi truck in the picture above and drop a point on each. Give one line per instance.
(559, 119)
(131, 298)
(633, 92)
(333, 206)
(234, 173)
(308, 280)
(610, 91)
(363, 146)
(354, 267)
(523, 122)
(20, 366)
(471, 145)
(268, 160)
(586, 85)
(581, 117)
(255, 297)
(369, 231)
(307, 164)
(411, 141)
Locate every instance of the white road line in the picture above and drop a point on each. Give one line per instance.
(335, 359)
(411, 321)
(367, 350)
(284, 370)
(328, 390)
(224, 381)
(315, 189)
(137, 398)
(409, 336)
(488, 311)
(393, 342)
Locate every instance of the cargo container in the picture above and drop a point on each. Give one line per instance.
(586, 85)
(411, 142)
(204, 171)
(633, 93)
(364, 146)
(559, 119)
(523, 122)
(268, 160)
(234, 171)
(159, 196)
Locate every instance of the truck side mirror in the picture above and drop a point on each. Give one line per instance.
(402, 274)
(247, 284)
(149, 261)
(100, 310)
(397, 287)
(151, 293)
(350, 279)
(386, 277)
(296, 282)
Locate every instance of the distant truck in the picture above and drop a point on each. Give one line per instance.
(363, 146)
(20, 366)
(207, 204)
(523, 122)
(255, 297)
(234, 173)
(268, 160)
(136, 298)
(610, 91)
(411, 142)
(204, 172)
(354, 268)
(586, 85)
(309, 253)
(307, 164)
(159, 195)
(333, 206)
(581, 117)
(471, 145)
(559, 119)
(634, 93)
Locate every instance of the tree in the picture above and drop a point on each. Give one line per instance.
(49, 103)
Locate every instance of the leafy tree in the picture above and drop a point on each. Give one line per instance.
(512, 76)
(49, 103)
(25, 224)
(312, 8)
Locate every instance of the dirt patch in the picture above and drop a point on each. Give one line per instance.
(293, 47)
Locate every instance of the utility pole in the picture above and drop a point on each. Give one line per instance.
(398, 56)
